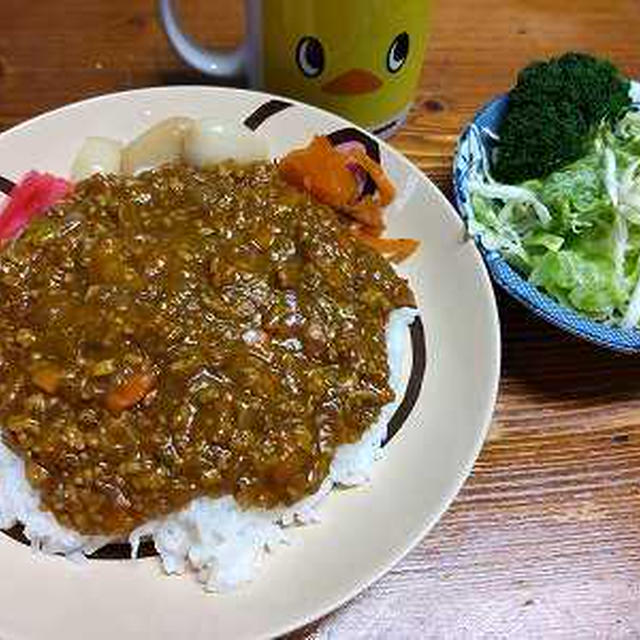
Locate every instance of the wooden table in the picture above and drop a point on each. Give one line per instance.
(544, 540)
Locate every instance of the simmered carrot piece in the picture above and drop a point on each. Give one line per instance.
(405, 247)
(325, 173)
(371, 217)
(322, 171)
(395, 249)
(47, 378)
(130, 392)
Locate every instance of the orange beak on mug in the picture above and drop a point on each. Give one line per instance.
(353, 82)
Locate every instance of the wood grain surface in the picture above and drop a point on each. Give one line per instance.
(544, 539)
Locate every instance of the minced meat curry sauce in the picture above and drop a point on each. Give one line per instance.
(188, 332)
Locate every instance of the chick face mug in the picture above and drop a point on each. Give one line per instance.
(358, 58)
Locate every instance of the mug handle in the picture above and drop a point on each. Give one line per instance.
(220, 64)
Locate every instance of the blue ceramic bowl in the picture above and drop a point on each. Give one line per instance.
(474, 147)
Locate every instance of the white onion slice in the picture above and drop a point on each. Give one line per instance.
(162, 143)
(97, 155)
(507, 192)
(632, 314)
(610, 175)
(210, 141)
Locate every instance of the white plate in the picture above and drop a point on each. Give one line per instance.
(364, 531)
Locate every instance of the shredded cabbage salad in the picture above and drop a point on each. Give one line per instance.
(576, 233)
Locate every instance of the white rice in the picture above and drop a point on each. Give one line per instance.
(222, 543)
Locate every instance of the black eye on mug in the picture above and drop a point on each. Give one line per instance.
(310, 56)
(398, 52)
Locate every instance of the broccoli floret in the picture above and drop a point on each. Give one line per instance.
(554, 111)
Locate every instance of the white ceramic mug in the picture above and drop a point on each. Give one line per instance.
(358, 58)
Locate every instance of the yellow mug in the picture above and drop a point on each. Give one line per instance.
(358, 58)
